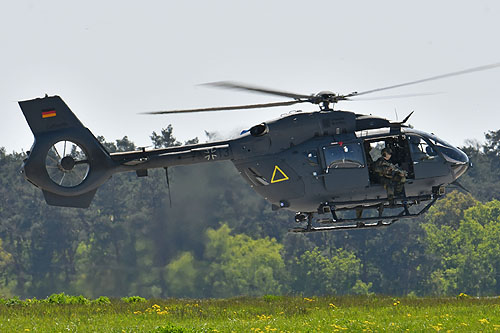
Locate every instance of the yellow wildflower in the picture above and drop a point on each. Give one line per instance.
(338, 327)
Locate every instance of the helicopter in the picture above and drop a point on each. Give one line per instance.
(315, 163)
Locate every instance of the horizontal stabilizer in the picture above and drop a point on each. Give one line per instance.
(78, 201)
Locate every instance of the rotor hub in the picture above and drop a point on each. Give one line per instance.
(67, 163)
(324, 98)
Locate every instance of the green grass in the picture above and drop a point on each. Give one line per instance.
(268, 313)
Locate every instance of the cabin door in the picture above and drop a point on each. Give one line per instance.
(345, 170)
(427, 162)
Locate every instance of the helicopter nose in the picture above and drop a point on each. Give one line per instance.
(460, 165)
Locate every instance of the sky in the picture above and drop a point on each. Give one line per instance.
(112, 60)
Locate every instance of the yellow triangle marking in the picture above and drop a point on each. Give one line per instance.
(280, 173)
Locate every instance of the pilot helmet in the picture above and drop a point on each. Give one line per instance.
(386, 150)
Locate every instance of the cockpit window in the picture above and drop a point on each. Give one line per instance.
(449, 152)
(428, 148)
(347, 155)
(420, 150)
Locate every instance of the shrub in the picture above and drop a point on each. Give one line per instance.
(14, 301)
(102, 300)
(271, 298)
(134, 299)
(65, 299)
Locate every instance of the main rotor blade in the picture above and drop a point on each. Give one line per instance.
(438, 77)
(355, 99)
(240, 86)
(227, 108)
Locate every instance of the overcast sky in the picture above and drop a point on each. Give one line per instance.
(110, 60)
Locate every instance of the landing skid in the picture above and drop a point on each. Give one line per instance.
(362, 222)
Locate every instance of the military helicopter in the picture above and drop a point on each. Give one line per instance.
(313, 163)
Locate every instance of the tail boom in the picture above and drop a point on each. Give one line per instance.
(70, 175)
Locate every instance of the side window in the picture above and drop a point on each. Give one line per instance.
(420, 149)
(348, 155)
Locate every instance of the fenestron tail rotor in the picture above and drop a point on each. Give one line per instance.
(323, 98)
(67, 164)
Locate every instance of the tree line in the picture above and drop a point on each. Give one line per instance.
(218, 238)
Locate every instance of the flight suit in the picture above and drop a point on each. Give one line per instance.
(392, 177)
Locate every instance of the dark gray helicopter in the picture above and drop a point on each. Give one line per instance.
(317, 162)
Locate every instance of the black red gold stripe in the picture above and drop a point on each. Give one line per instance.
(48, 114)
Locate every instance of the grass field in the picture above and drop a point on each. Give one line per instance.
(261, 314)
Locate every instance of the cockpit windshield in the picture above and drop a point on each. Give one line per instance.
(450, 153)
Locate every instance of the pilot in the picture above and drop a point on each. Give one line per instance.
(392, 177)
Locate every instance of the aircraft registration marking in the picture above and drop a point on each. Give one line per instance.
(278, 175)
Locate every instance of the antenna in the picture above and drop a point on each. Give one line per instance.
(168, 186)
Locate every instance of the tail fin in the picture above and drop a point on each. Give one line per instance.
(48, 114)
(66, 160)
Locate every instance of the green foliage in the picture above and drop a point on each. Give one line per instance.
(316, 274)
(134, 299)
(132, 242)
(271, 298)
(181, 275)
(361, 288)
(165, 138)
(66, 299)
(60, 299)
(450, 210)
(14, 301)
(283, 314)
(469, 252)
(101, 300)
(483, 179)
(240, 265)
(5, 258)
(169, 328)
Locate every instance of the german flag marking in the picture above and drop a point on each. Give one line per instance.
(278, 175)
(48, 114)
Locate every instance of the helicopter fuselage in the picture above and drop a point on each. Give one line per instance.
(328, 156)
(302, 162)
